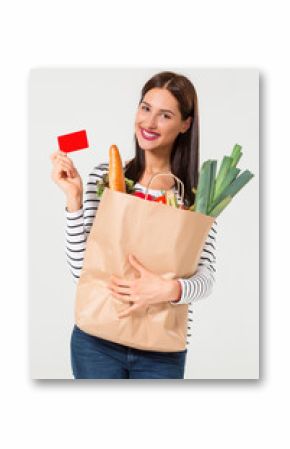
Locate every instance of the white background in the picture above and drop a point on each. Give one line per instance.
(225, 328)
(205, 413)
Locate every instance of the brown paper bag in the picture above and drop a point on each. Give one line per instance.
(164, 239)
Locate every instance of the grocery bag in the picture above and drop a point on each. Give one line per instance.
(166, 240)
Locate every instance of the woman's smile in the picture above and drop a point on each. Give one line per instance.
(149, 135)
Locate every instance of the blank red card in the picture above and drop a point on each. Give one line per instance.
(73, 141)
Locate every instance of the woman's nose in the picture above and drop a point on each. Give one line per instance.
(152, 122)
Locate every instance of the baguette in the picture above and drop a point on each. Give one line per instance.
(116, 174)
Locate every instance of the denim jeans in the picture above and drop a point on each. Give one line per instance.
(95, 358)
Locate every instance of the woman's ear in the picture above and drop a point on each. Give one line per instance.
(186, 125)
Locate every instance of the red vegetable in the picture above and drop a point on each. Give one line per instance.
(161, 199)
(142, 195)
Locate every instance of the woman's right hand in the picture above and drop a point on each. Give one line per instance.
(65, 175)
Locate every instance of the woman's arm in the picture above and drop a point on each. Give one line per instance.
(79, 223)
(200, 285)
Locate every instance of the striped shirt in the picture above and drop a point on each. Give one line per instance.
(78, 226)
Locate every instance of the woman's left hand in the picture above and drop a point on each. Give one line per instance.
(149, 288)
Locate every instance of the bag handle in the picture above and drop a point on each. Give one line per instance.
(180, 184)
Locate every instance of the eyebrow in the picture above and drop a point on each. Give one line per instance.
(162, 110)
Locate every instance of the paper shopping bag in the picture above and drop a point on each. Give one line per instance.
(166, 240)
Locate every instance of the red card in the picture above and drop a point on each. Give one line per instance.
(73, 141)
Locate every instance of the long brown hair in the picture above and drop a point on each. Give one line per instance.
(184, 158)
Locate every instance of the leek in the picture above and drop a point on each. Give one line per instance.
(220, 206)
(223, 171)
(203, 188)
(230, 177)
(211, 181)
(213, 192)
(233, 188)
(236, 155)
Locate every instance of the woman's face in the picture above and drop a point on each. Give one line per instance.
(158, 120)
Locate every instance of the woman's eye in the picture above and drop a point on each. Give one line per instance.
(145, 108)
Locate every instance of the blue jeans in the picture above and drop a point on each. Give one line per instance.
(95, 358)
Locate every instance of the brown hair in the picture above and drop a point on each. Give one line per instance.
(184, 158)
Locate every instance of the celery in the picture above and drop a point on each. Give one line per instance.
(167, 199)
(175, 201)
(171, 199)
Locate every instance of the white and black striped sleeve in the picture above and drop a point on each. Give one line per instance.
(200, 285)
(91, 202)
(78, 223)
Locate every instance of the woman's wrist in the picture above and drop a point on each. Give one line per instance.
(175, 290)
(73, 203)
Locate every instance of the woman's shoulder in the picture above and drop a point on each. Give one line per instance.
(99, 170)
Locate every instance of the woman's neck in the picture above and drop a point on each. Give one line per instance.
(156, 163)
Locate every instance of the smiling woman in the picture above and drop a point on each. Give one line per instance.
(166, 139)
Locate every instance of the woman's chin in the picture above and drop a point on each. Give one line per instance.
(146, 145)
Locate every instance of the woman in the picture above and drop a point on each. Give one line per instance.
(166, 139)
